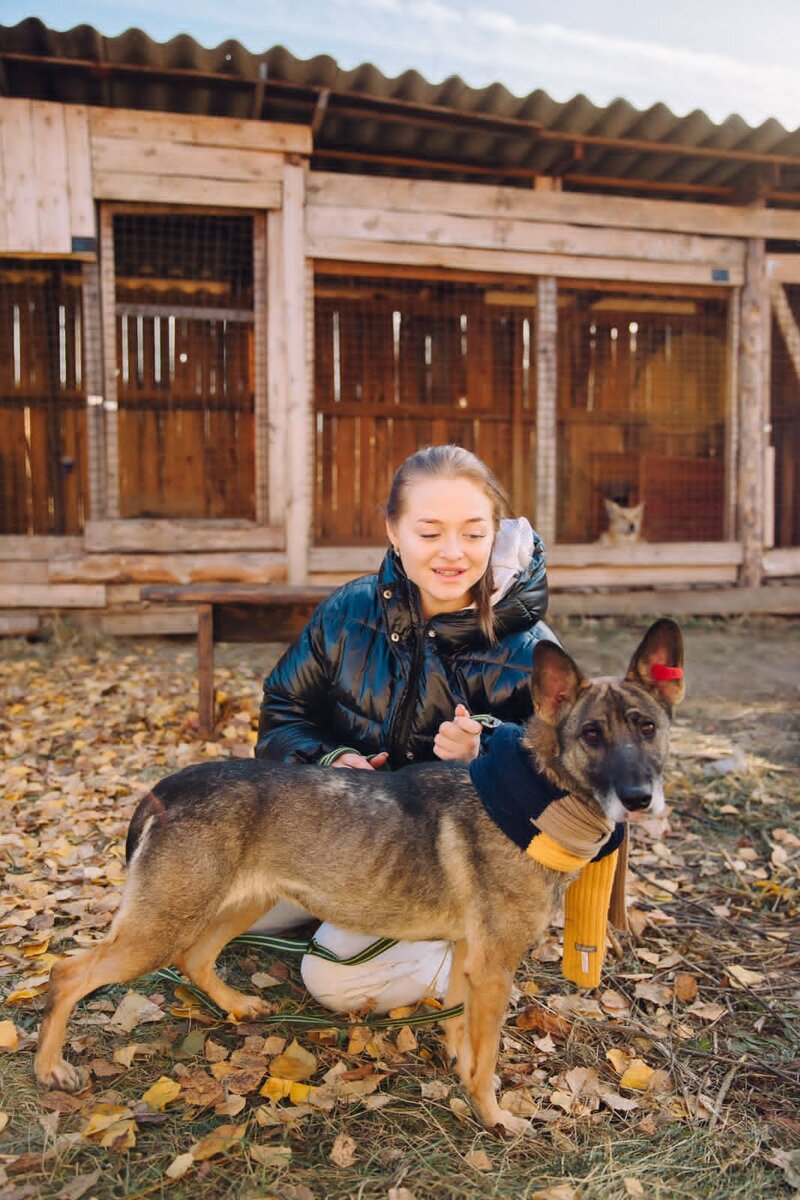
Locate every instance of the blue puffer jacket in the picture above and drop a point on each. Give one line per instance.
(370, 672)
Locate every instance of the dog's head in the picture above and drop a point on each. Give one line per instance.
(624, 521)
(609, 738)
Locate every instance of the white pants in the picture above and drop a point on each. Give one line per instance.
(403, 974)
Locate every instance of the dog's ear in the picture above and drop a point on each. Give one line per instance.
(611, 506)
(658, 662)
(556, 682)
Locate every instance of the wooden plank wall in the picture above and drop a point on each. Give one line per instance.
(172, 158)
(459, 226)
(45, 177)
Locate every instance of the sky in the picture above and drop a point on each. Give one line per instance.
(722, 56)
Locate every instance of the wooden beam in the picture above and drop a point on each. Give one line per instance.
(646, 554)
(753, 409)
(169, 568)
(277, 394)
(93, 374)
(299, 448)
(362, 222)
(261, 395)
(79, 171)
(222, 132)
(149, 622)
(165, 536)
(19, 624)
(35, 547)
(353, 250)
(678, 216)
(52, 595)
(722, 601)
(733, 332)
(173, 189)
(783, 562)
(784, 268)
(546, 344)
(639, 576)
(110, 392)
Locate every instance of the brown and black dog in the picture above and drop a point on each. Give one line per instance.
(411, 855)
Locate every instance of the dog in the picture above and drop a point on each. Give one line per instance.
(624, 524)
(411, 855)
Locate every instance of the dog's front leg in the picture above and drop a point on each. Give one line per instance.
(488, 987)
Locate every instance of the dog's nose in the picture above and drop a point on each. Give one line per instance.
(636, 799)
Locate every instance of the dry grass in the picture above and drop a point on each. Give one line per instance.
(714, 894)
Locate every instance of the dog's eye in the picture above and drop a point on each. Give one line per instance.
(592, 735)
(647, 729)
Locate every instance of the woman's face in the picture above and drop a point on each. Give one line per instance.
(444, 537)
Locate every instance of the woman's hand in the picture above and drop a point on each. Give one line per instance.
(357, 762)
(458, 740)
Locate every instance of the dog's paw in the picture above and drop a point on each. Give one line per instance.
(61, 1076)
(250, 1009)
(508, 1125)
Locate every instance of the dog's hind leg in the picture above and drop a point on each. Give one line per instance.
(488, 989)
(454, 1040)
(124, 955)
(198, 961)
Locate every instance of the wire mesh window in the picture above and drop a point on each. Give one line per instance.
(184, 305)
(402, 362)
(43, 460)
(642, 416)
(785, 405)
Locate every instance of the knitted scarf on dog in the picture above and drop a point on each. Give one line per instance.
(560, 832)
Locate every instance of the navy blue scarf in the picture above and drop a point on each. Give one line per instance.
(514, 793)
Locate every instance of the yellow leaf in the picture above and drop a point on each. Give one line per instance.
(271, 1156)
(27, 993)
(406, 1040)
(295, 1063)
(9, 1038)
(34, 949)
(104, 1116)
(637, 1075)
(179, 1166)
(299, 1093)
(162, 1093)
(4, 1119)
(217, 1142)
(275, 1089)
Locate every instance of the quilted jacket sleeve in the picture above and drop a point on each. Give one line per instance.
(295, 704)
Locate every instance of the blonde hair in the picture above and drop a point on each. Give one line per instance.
(454, 462)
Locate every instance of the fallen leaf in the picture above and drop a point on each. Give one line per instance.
(406, 1040)
(633, 1187)
(460, 1108)
(78, 1186)
(223, 1138)
(162, 1093)
(275, 1157)
(538, 1018)
(9, 1037)
(479, 1159)
(559, 1191)
(658, 993)
(343, 1151)
(134, 1009)
(4, 1119)
(637, 1075)
(179, 1166)
(685, 987)
(294, 1063)
(743, 976)
(434, 1089)
(708, 1011)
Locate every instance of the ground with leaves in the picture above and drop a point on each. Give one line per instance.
(678, 1078)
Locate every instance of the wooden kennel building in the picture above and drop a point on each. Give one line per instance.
(236, 291)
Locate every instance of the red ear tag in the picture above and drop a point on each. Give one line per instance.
(660, 672)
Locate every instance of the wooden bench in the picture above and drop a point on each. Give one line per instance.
(236, 612)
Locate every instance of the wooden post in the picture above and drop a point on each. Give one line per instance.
(93, 374)
(546, 337)
(753, 410)
(205, 669)
(261, 398)
(299, 445)
(731, 414)
(110, 401)
(276, 369)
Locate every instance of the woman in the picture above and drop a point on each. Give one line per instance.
(391, 667)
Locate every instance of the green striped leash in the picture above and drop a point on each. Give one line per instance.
(263, 941)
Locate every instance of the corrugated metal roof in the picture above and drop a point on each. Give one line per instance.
(407, 125)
